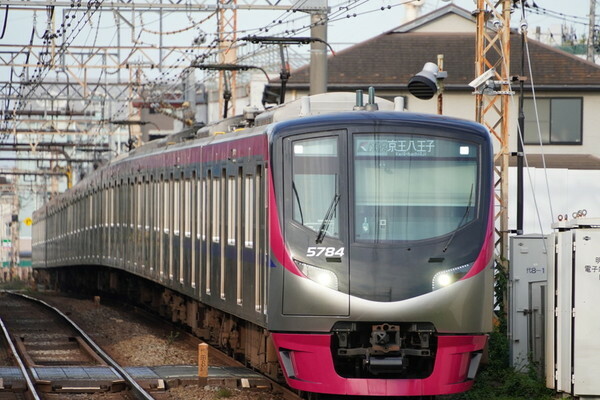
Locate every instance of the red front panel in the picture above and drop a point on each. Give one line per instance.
(309, 357)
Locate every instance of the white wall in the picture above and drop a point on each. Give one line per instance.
(569, 190)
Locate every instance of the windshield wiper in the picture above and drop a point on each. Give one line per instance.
(298, 200)
(327, 219)
(461, 220)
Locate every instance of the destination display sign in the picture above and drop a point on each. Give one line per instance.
(410, 146)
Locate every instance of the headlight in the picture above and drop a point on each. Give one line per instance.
(322, 276)
(449, 276)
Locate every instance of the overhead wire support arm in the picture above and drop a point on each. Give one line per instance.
(227, 67)
(283, 42)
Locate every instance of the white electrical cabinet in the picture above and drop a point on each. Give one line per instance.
(573, 309)
(527, 299)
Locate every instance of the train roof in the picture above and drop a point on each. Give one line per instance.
(321, 109)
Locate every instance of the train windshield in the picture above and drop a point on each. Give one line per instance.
(315, 185)
(411, 187)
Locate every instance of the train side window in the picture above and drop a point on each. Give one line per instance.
(132, 190)
(140, 201)
(148, 207)
(106, 195)
(157, 205)
(171, 215)
(176, 207)
(249, 211)
(203, 205)
(116, 208)
(128, 189)
(231, 210)
(111, 207)
(90, 217)
(166, 206)
(216, 209)
(187, 215)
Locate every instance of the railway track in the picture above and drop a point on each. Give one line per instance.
(54, 357)
(225, 372)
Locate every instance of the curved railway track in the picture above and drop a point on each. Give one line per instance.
(226, 371)
(55, 356)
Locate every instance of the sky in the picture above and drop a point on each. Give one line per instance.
(368, 24)
(362, 21)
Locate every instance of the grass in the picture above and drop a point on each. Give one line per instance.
(15, 284)
(223, 393)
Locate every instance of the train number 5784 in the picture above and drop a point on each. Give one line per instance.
(327, 251)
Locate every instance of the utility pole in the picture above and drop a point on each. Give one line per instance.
(14, 233)
(591, 51)
(227, 29)
(318, 52)
(521, 122)
(492, 106)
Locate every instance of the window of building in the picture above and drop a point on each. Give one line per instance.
(560, 120)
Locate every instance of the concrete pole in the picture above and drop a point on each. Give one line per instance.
(590, 40)
(14, 230)
(318, 53)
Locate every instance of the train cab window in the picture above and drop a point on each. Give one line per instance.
(315, 183)
(409, 187)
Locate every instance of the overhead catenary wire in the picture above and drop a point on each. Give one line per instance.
(164, 78)
(340, 14)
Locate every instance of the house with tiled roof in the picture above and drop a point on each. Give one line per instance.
(566, 87)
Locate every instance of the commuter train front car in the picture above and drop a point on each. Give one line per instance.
(358, 244)
(381, 235)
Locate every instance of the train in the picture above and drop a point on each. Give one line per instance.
(341, 246)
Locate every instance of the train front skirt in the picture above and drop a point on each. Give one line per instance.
(308, 366)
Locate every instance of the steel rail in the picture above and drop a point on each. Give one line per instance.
(30, 385)
(139, 392)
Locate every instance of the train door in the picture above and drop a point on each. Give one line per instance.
(185, 260)
(316, 224)
(252, 265)
(231, 275)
